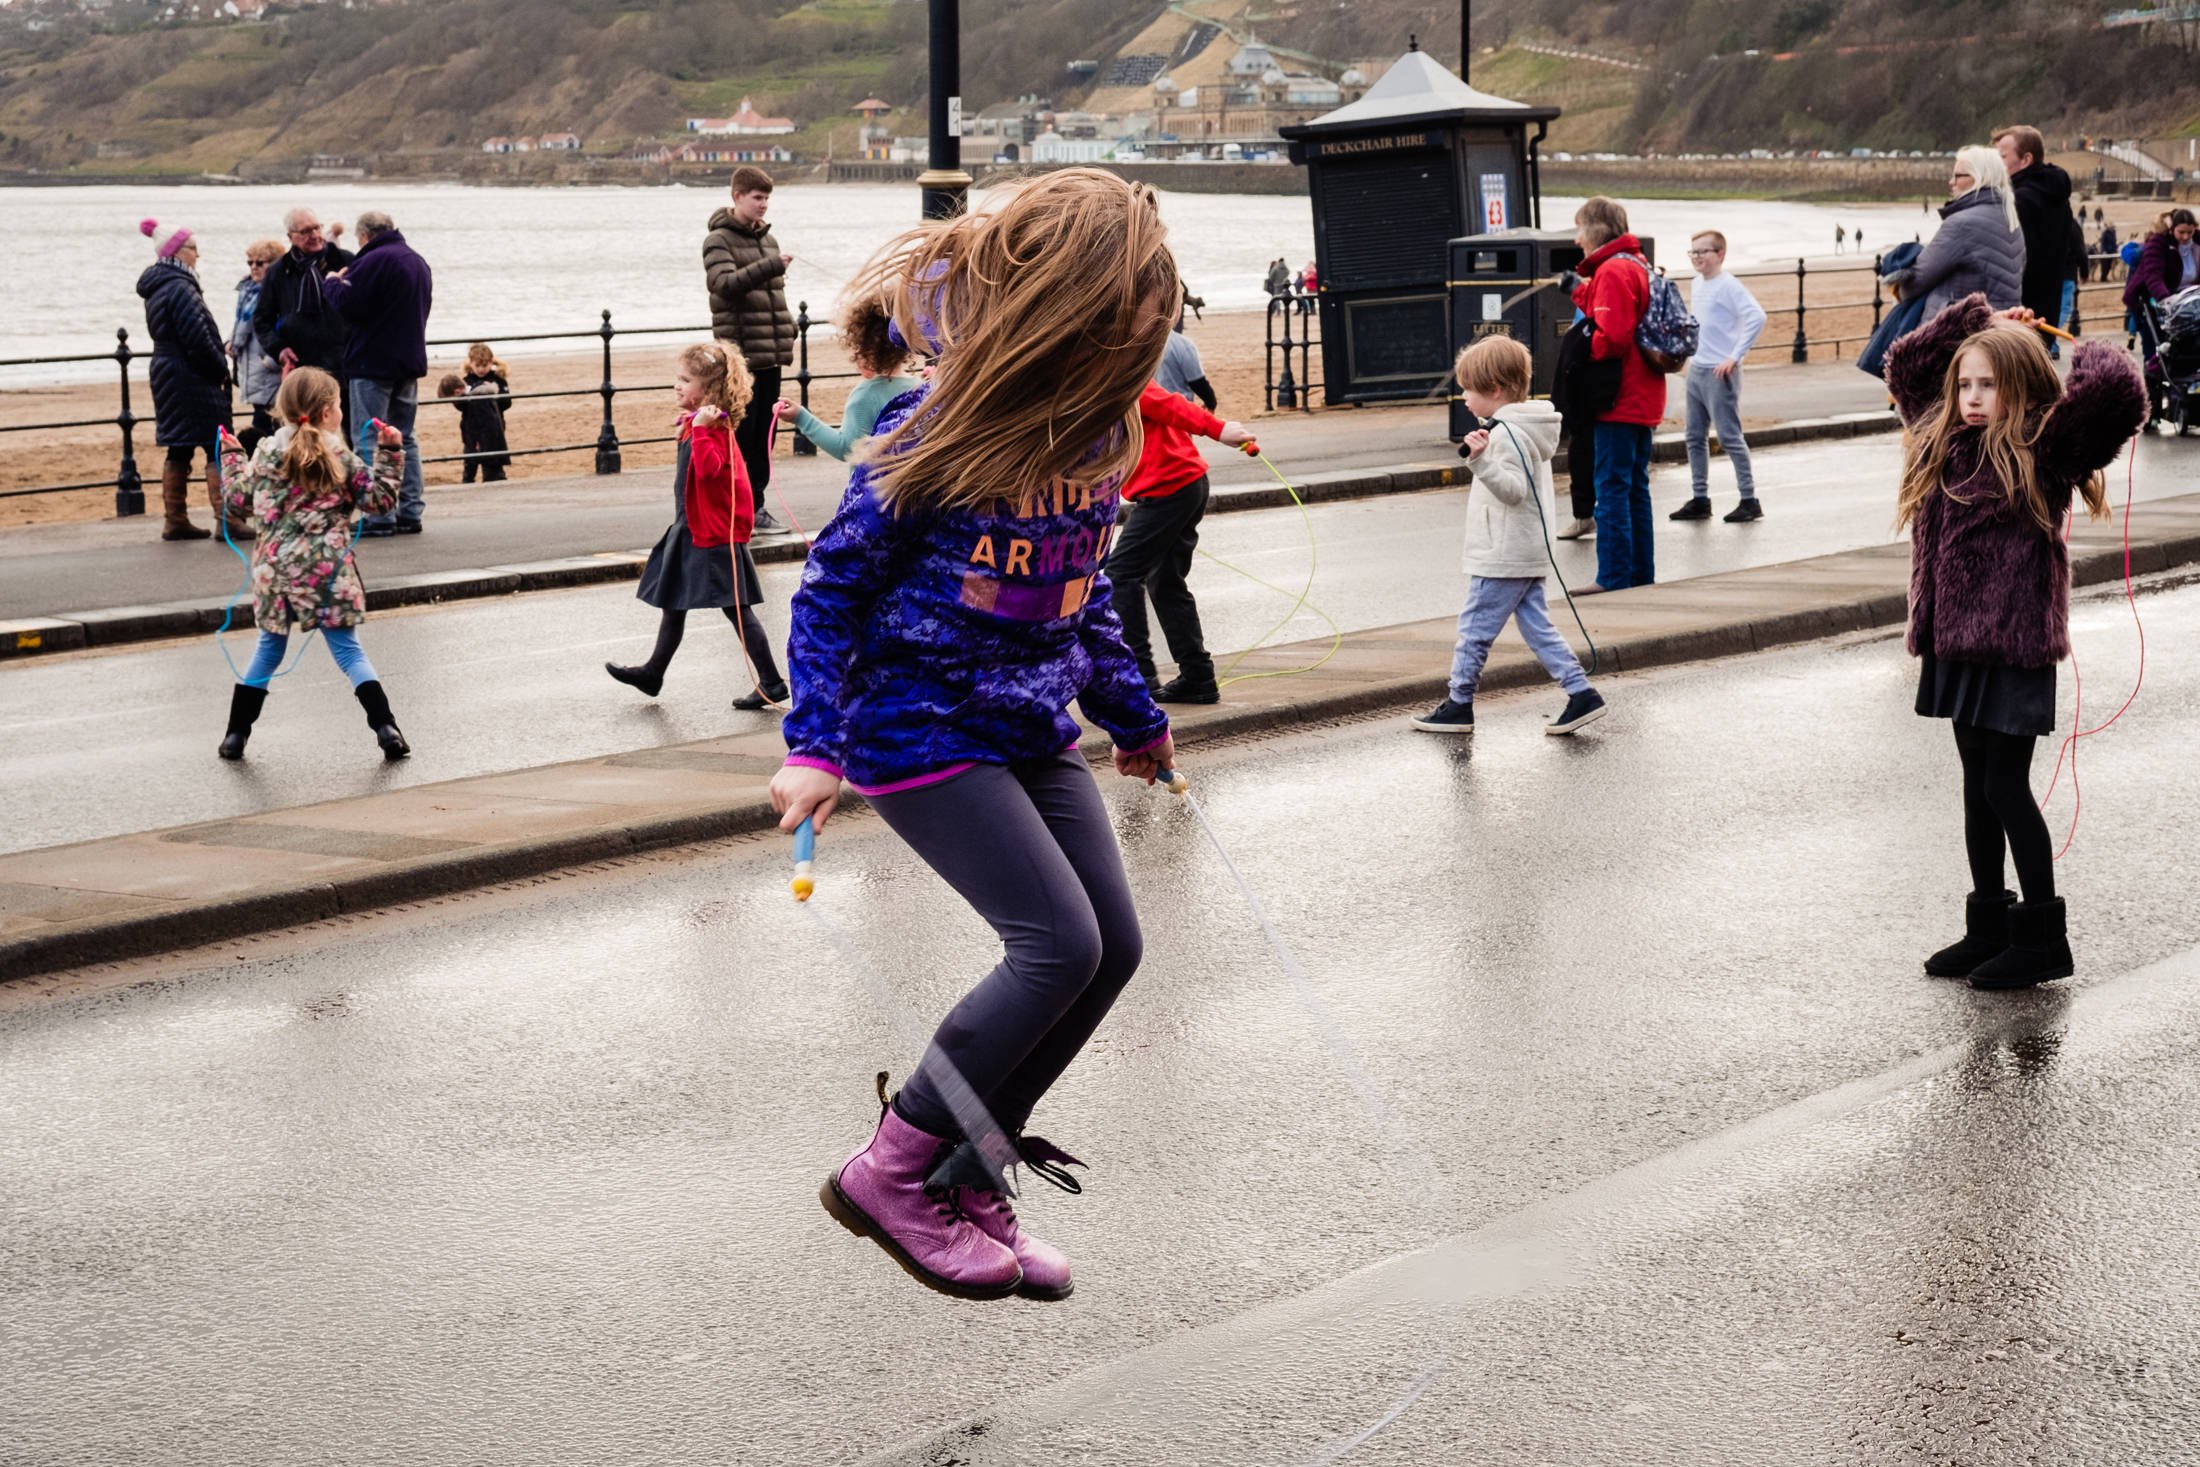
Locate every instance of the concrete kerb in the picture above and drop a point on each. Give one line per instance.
(115, 626)
(96, 941)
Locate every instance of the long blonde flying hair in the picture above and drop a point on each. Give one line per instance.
(2024, 383)
(314, 460)
(1048, 313)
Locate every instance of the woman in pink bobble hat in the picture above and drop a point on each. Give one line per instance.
(190, 377)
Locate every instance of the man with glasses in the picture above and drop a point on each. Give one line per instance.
(1729, 321)
(294, 320)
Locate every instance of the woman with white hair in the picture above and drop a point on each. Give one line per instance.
(1979, 247)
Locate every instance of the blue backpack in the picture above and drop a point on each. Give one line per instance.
(1666, 335)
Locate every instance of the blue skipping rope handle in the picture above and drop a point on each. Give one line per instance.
(805, 857)
(1172, 779)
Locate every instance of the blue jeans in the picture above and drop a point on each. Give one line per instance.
(1491, 602)
(397, 404)
(1715, 402)
(1626, 555)
(343, 645)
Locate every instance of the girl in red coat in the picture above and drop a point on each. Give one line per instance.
(1613, 296)
(703, 560)
(1996, 448)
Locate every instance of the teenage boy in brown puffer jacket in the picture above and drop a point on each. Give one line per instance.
(746, 272)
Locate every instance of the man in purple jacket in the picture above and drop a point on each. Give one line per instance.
(384, 296)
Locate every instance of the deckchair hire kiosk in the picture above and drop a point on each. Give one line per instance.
(1419, 161)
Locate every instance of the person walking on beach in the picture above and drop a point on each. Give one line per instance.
(257, 374)
(294, 321)
(1840, 237)
(1279, 278)
(1730, 321)
(189, 374)
(384, 297)
(746, 272)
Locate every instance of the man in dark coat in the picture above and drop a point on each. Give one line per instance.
(293, 320)
(384, 298)
(2043, 213)
(746, 274)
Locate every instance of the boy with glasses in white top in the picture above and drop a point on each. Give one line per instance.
(1729, 321)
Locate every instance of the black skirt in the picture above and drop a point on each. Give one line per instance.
(684, 576)
(2010, 700)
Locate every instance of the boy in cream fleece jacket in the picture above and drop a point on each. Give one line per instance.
(1507, 554)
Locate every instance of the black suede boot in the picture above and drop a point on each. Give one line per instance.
(379, 718)
(1985, 935)
(245, 703)
(2039, 949)
(757, 699)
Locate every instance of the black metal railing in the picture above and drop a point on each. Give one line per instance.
(1294, 325)
(1293, 320)
(606, 445)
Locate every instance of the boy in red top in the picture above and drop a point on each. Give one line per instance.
(1167, 496)
(1614, 295)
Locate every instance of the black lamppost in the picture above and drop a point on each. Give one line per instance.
(943, 182)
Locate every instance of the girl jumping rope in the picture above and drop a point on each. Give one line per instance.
(950, 613)
(1996, 448)
(703, 559)
(302, 490)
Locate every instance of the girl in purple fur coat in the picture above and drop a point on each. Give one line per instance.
(1995, 448)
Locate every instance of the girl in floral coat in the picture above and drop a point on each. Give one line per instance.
(301, 491)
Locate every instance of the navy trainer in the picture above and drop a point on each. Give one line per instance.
(1581, 708)
(1449, 717)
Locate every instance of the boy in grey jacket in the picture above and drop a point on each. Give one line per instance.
(1507, 553)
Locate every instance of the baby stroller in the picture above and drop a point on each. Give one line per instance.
(2173, 366)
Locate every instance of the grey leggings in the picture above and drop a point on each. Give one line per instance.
(1028, 845)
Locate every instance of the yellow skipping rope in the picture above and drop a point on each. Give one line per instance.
(1336, 635)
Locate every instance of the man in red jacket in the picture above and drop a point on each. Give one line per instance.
(1614, 296)
(1153, 554)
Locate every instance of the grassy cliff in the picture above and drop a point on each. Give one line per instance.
(433, 77)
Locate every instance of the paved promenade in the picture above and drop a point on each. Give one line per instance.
(69, 905)
(112, 581)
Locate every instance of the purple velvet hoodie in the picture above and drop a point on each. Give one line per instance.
(1986, 584)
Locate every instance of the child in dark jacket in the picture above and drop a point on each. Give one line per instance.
(480, 424)
(703, 559)
(489, 381)
(949, 615)
(1996, 447)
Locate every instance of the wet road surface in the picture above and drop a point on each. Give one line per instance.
(93, 744)
(529, 1176)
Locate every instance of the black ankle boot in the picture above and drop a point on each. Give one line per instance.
(382, 721)
(643, 677)
(1985, 935)
(2039, 949)
(757, 699)
(245, 703)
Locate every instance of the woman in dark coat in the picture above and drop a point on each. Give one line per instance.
(190, 379)
(2156, 275)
